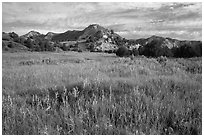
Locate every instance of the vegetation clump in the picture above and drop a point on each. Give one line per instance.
(162, 59)
(122, 51)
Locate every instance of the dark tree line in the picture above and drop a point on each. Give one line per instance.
(154, 49)
(186, 50)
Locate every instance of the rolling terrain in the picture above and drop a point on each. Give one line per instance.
(89, 93)
(94, 82)
(96, 38)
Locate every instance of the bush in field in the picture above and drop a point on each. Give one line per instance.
(65, 47)
(122, 52)
(110, 51)
(162, 59)
(79, 50)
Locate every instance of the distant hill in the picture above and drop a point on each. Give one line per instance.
(31, 34)
(12, 46)
(50, 35)
(92, 32)
(157, 46)
(100, 39)
(67, 36)
(6, 36)
(92, 38)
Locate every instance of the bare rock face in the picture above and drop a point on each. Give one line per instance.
(105, 47)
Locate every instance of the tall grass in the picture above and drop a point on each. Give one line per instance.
(105, 95)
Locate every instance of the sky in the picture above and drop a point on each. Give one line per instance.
(130, 20)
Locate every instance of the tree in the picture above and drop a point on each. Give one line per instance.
(15, 37)
(112, 31)
(122, 52)
(42, 45)
(65, 47)
(37, 48)
(135, 52)
(29, 43)
(22, 40)
(48, 46)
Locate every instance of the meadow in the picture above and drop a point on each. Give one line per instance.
(71, 93)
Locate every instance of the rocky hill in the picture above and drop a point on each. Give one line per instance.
(99, 39)
(6, 36)
(91, 33)
(31, 34)
(161, 46)
(92, 38)
(67, 36)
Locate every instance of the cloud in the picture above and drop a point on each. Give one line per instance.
(135, 19)
(178, 34)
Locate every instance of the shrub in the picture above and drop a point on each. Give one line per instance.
(49, 46)
(135, 52)
(65, 47)
(73, 49)
(112, 31)
(29, 43)
(13, 35)
(122, 52)
(6, 48)
(3, 44)
(161, 59)
(110, 51)
(79, 50)
(37, 48)
(11, 45)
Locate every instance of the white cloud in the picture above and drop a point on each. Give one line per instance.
(134, 17)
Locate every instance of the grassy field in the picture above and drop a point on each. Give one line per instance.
(97, 93)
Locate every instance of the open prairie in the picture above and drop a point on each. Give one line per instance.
(99, 93)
